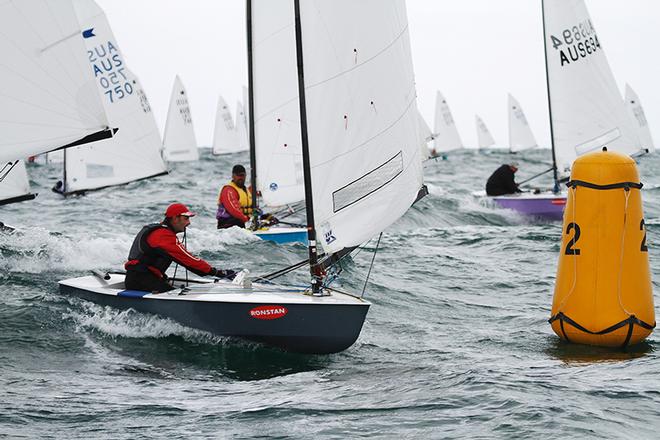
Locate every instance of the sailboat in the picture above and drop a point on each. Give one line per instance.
(241, 127)
(179, 143)
(636, 112)
(14, 183)
(134, 152)
(362, 170)
(425, 134)
(520, 134)
(48, 99)
(446, 133)
(225, 136)
(484, 137)
(585, 106)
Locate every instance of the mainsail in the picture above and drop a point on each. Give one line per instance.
(179, 143)
(47, 94)
(277, 149)
(586, 108)
(446, 133)
(359, 118)
(14, 183)
(133, 153)
(484, 137)
(520, 134)
(225, 137)
(636, 112)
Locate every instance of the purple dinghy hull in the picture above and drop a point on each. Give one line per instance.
(549, 207)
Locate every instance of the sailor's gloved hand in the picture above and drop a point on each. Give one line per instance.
(224, 273)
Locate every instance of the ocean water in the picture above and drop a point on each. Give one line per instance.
(456, 343)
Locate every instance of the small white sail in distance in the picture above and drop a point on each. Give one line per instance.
(636, 112)
(133, 153)
(278, 150)
(15, 184)
(485, 139)
(241, 127)
(425, 135)
(179, 142)
(48, 98)
(225, 136)
(446, 133)
(520, 134)
(362, 120)
(587, 109)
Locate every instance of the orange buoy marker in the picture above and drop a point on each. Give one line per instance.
(603, 294)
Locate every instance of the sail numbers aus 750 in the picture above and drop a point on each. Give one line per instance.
(576, 42)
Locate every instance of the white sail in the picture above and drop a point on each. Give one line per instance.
(179, 143)
(241, 127)
(366, 169)
(15, 186)
(225, 137)
(278, 150)
(636, 112)
(133, 153)
(425, 135)
(47, 94)
(55, 156)
(483, 134)
(446, 133)
(520, 134)
(587, 109)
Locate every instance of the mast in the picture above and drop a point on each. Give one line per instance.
(309, 204)
(547, 82)
(251, 141)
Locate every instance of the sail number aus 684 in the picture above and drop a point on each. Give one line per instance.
(573, 230)
(576, 42)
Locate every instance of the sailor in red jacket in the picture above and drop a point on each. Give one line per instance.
(156, 246)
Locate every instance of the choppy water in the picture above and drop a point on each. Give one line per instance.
(456, 344)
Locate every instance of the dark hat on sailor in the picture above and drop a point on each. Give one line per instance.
(238, 169)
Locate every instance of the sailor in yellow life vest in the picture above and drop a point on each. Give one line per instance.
(234, 201)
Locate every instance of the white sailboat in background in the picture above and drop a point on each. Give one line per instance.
(444, 128)
(585, 105)
(241, 127)
(48, 99)
(179, 142)
(520, 134)
(14, 183)
(362, 171)
(636, 112)
(131, 154)
(276, 155)
(426, 136)
(484, 137)
(225, 136)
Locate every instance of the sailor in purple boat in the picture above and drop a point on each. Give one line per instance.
(502, 181)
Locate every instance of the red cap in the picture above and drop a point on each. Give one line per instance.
(178, 209)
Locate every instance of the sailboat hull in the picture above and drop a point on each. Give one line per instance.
(545, 205)
(285, 318)
(283, 235)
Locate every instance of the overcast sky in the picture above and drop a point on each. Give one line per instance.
(474, 51)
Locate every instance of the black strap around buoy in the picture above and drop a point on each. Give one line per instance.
(624, 185)
(631, 321)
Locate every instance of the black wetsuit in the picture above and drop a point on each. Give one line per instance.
(501, 182)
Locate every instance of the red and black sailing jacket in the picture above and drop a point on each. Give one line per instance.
(154, 249)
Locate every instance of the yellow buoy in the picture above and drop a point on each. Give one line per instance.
(603, 294)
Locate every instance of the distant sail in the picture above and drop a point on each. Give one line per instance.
(225, 136)
(586, 105)
(483, 134)
(241, 127)
(179, 142)
(133, 153)
(520, 134)
(425, 135)
(445, 130)
(636, 112)
(48, 98)
(15, 184)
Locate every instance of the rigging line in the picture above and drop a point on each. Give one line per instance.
(535, 176)
(373, 258)
(3, 173)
